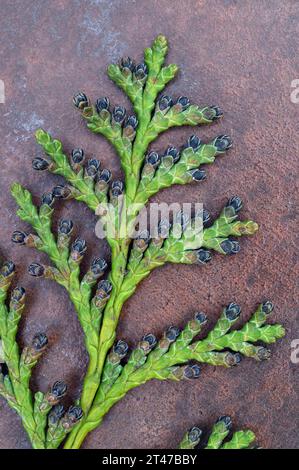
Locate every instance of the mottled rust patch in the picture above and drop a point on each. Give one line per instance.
(239, 55)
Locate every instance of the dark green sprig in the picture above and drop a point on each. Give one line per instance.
(114, 125)
(220, 431)
(177, 354)
(142, 83)
(179, 167)
(179, 113)
(188, 242)
(176, 357)
(15, 376)
(80, 185)
(66, 269)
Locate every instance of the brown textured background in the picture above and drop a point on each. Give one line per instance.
(241, 55)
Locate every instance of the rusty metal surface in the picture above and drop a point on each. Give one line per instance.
(239, 55)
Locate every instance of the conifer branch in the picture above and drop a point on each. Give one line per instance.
(98, 302)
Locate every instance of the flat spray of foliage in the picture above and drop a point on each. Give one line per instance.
(98, 297)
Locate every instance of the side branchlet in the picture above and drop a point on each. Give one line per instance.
(16, 365)
(218, 439)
